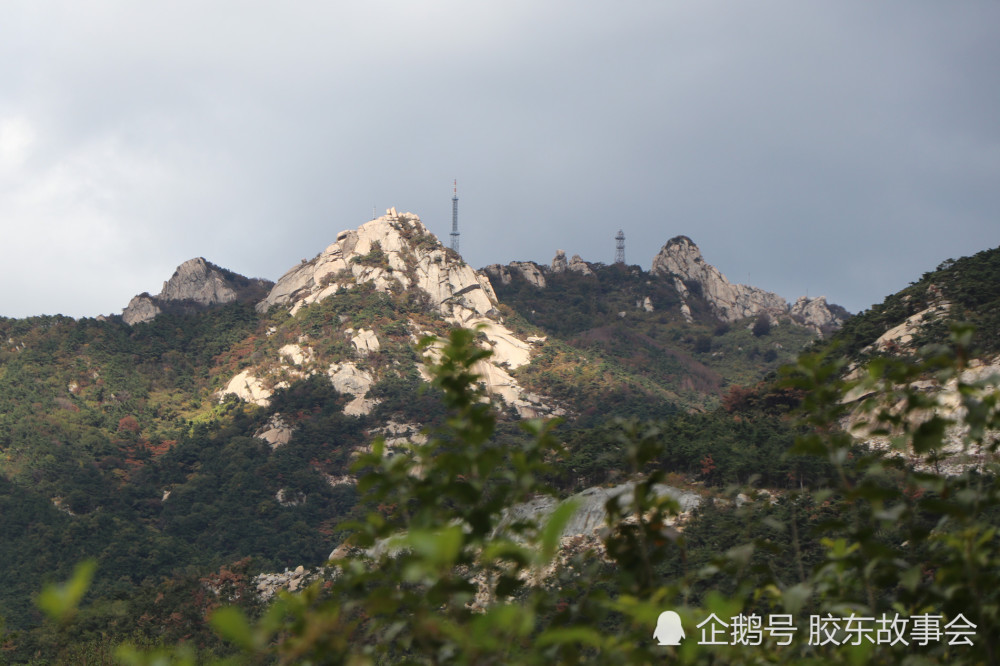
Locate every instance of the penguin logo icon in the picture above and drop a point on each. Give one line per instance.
(668, 629)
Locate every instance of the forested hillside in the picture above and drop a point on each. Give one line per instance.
(121, 443)
(631, 321)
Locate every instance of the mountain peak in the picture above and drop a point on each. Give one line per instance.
(681, 259)
(195, 284)
(394, 252)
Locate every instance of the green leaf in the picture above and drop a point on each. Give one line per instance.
(440, 547)
(60, 601)
(574, 635)
(232, 625)
(795, 597)
(554, 528)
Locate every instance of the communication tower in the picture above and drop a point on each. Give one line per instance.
(454, 218)
(620, 247)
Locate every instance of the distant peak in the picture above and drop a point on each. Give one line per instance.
(197, 283)
(681, 240)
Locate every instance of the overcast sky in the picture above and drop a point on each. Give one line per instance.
(836, 148)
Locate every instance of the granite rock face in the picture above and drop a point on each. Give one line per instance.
(578, 265)
(527, 270)
(591, 512)
(394, 253)
(559, 263)
(817, 313)
(729, 302)
(195, 285)
(141, 308)
(681, 260)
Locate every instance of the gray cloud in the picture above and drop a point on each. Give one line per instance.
(842, 148)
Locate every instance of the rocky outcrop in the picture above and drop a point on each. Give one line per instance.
(900, 337)
(141, 308)
(249, 388)
(348, 379)
(268, 584)
(959, 451)
(817, 313)
(195, 285)
(276, 432)
(729, 302)
(365, 341)
(559, 263)
(526, 270)
(576, 264)
(681, 260)
(396, 253)
(591, 512)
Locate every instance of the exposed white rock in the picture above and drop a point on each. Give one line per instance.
(297, 354)
(528, 270)
(815, 313)
(342, 480)
(559, 263)
(348, 378)
(289, 498)
(196, 282)
(268, 584)
(497, 381)
(365, 342)
(955, 456)
(681, 259)
(276, 432)
(400, 434)
(578, 265)
(508, 350)
(730, 302)
(248, 388)
(140, 309)
(902, 335)
(395, 251)
(591, 513)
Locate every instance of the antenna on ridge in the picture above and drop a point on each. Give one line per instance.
(454, 217)
(620, 247)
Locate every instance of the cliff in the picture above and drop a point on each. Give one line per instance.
(196, 284)
(681, 260)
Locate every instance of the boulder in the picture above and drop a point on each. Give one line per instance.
(559, 263)
(578, 265)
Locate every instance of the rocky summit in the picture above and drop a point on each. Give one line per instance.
(195, 284)
(681, 260)
(393, 254)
